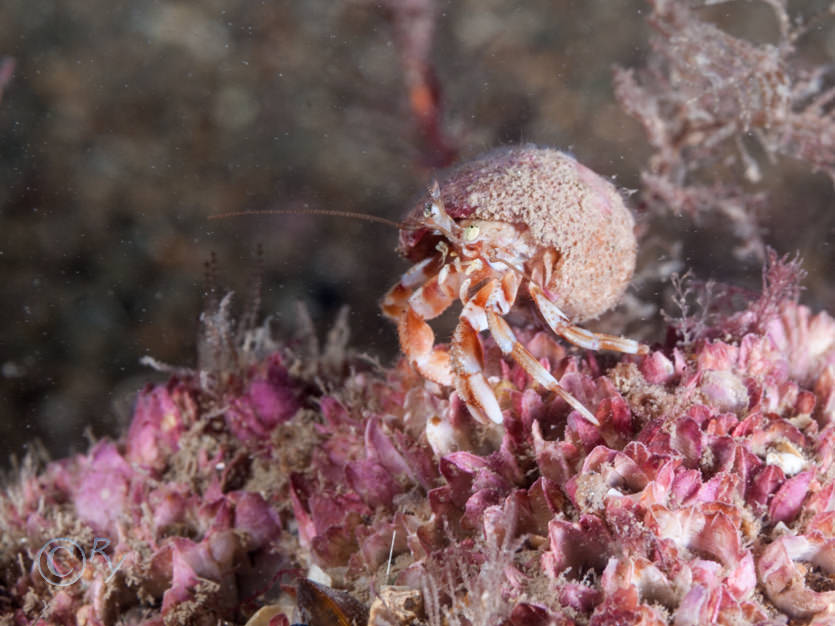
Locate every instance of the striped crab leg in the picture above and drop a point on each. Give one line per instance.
(466, 350)
(470, 382)
(421, 295)
(484, 312)
(562, 326)
(396, 300)
(512, 347)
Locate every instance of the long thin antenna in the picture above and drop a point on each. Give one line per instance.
(360, 216)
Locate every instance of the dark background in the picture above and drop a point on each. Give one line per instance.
(127, 123)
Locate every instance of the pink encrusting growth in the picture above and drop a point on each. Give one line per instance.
(703, 496)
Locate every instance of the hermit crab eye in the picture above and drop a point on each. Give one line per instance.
(470, 232)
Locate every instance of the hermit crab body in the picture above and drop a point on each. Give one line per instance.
(522, 221)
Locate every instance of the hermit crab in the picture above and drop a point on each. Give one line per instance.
(522, 223)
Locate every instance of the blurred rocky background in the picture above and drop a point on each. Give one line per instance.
(125, 125)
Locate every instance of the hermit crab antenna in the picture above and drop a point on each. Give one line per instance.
(330, 212)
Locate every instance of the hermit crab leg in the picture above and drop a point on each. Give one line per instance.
(561, 325)
(470, 382)
(510, 346)
(396, 300)
(466, 351)
(417, 340)
(467, 355)
(411, 306)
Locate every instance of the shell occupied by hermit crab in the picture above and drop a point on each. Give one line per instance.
(557, 202)
(519, 218)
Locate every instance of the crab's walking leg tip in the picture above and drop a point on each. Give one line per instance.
(578, 406)
(589, 417)
(560, 324)
(510, 346)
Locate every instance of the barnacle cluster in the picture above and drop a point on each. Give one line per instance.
(704, 496)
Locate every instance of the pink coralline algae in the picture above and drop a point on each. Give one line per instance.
(298, 493)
